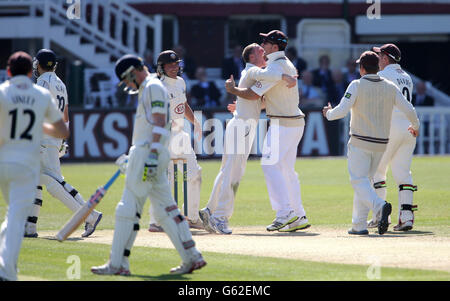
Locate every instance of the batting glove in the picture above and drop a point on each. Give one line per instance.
(150, 167)
(63, 149)
(122, 162)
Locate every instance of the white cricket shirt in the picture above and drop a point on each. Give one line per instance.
(23, 108)
(54, 84)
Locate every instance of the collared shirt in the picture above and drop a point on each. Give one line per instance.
(281, 102)
(371, 100)
(57, 88)
(24, 107)
(153, 98)
(247, 109)
(402, 80)
(176, 89)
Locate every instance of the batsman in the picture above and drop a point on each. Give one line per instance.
(146, 175)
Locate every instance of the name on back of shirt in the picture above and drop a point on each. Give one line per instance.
(403, 81)
(23, 99)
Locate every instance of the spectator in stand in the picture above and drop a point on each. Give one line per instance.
(322, 77)
(310, 96)
(148, 61)
(352, 73)
(204, 94)
(187, 64)
(299, 63)
(234, 64)
(420, 98)
(339, 87)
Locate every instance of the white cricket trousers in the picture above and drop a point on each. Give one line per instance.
(18, 184)
(398, 155)
(180, 147)
(278, 164)
(362, 165)
(239, 137)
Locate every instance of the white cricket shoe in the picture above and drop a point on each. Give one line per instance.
(220, 225)
(300, 224)
(406, 226)
(205, 216)
(155, 228)
(281, 222)
(198, 224)
(187, 268)
(90, 228)
(108, 269)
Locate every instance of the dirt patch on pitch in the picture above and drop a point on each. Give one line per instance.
(414, 249)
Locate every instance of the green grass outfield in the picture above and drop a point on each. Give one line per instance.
(327, 198)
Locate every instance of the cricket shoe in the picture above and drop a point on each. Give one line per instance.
(300, 224)
(373, 223)
(383, 225)
(205, 216)
(187, 268)
(220, 225)
(354, 232)
(30, 235)
(281, 222)
(406, 226)
(90, 228)
(198, 224)
(108, 269)
(155, 228)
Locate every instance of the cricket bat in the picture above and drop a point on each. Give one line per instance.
(81, 214)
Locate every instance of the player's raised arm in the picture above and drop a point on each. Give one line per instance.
(347, 101)
(246, 93)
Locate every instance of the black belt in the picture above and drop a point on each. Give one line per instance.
(372, 139)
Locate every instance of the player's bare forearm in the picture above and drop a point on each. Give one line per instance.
(245, 93)
(189, 113)
(58, 129)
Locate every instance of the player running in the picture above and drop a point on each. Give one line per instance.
(146, 176)
(169, 72)
(23, 108)
(400, 149)
(44, 67)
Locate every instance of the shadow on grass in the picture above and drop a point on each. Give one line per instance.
(162, 277)
(287, 234)
(68, 239)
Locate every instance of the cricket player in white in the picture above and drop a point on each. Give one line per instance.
(44, 66)
(371, 100)
(146, 176)
(239, 136)
(23, 109)
(400, 149)
(169, 71)
(283, 136)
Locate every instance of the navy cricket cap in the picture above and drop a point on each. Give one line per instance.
(46, 58)
(20, 63)
(391, 50)
(275, 37)
(126, 64)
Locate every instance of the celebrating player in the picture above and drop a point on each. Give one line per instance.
(169, 72)
(371, 100)
(146, 175)
(400, 148)
(239, 136)
(23, 108)
(284, 133)
(44, 66)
